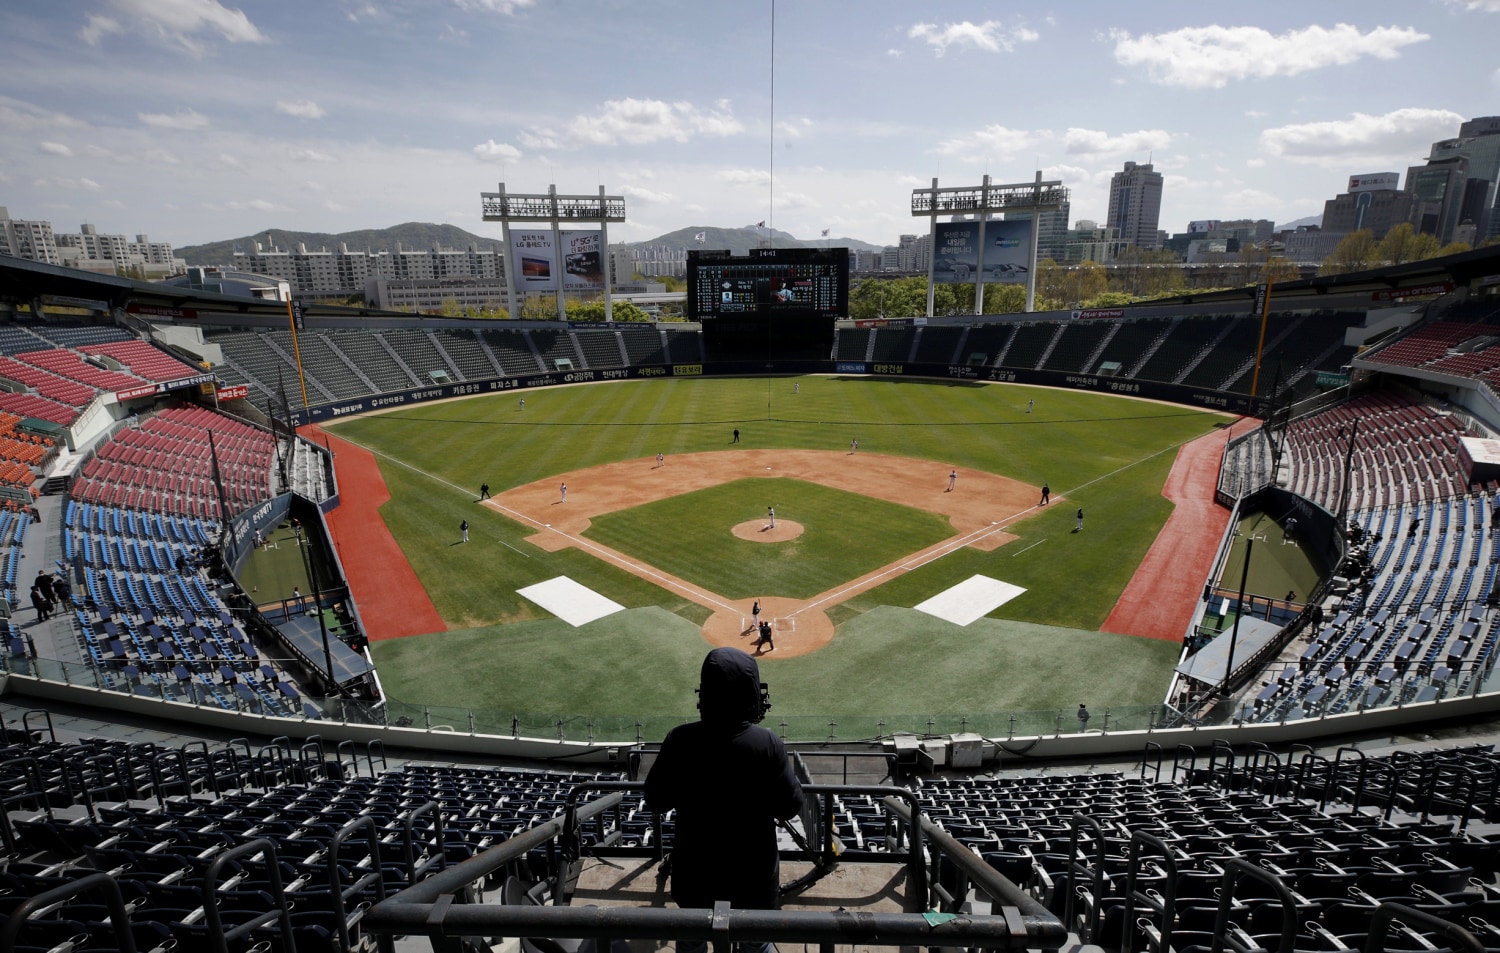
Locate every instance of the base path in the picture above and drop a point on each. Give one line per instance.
(979, 508)
(391, 598)
(1163, 594)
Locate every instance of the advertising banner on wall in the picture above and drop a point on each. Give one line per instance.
(955, 252)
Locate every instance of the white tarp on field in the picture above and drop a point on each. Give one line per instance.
(974, 598)
(573, 603)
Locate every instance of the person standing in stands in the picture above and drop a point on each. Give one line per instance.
(730, 781)
(40, 602)
(62, 590)
(1083, 717)
(44, 583)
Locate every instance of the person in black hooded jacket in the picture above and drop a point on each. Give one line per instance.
(729, 780)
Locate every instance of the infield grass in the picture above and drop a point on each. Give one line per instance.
(845, 537)
(1109, 455)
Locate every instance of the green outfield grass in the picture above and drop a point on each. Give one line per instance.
(845, 537)
(1107, 454)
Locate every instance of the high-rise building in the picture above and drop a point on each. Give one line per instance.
(30, 240)
(1373, 201)
(1052, 231)
(1454, 195)
(1135, 204)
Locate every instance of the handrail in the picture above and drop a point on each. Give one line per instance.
(427, 908)
(1387, 913)
(118, 917)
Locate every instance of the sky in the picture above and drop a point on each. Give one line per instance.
(199, 120)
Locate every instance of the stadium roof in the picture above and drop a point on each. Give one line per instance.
(1459, 269)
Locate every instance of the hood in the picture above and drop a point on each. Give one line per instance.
(729, 687)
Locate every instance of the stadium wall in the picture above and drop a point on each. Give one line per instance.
(1155, 390)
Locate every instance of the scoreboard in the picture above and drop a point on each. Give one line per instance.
(774, 282)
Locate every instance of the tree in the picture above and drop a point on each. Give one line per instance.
(1147, 273)
(1403, 244)
(1453, 248)
(1355, 252)
(594, 311)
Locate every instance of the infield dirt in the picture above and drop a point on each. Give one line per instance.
(979, 507)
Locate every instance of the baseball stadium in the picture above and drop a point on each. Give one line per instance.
(1166, 626)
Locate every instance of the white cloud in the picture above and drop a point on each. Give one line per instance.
(229, 162)
(507, 7)
(794, 130)
(98, 27)
(646, 195)
(55, 148)
(992, 142)
(113, 203)
(300, 108)
(16, 114)
(183, 119)
(1486, 6)
(492, 151)
(743, 176)
(179, 23)
(991, 36)
(257, 205)
(1093, 142)
(334, 207)
(1397, 135)
(794, 200)
(161, 156)
(894, 54)
(642, 121)
(72, 185)
(302, 154)
(1211, 56)
(1255, 163)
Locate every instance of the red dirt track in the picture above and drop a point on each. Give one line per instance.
(1163, 594)
(391, 599)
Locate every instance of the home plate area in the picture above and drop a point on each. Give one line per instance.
(974, 598)
(573, 603)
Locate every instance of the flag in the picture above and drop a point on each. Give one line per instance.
(825, 233)
(701, 237)
(761, 224)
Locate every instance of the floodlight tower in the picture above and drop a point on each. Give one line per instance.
(555, 210)
(982, 201)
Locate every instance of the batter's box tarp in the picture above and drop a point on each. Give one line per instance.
(974, 598)
(569, 601)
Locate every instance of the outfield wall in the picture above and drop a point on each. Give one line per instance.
(1154, 390)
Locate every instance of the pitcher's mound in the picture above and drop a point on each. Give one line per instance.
(760, 531)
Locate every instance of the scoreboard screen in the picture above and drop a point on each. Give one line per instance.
(787, 282)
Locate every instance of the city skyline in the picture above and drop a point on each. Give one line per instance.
(196, 121)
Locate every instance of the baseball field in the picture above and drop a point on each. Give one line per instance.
(887, 495)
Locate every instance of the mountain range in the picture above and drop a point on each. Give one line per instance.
(423, 235)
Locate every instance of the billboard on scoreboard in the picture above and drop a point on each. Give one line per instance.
(580, 263)
(1007, 253)
(955, 253)
(1007, 259)
(769, 281)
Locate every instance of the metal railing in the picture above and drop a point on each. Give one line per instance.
(434, 907)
